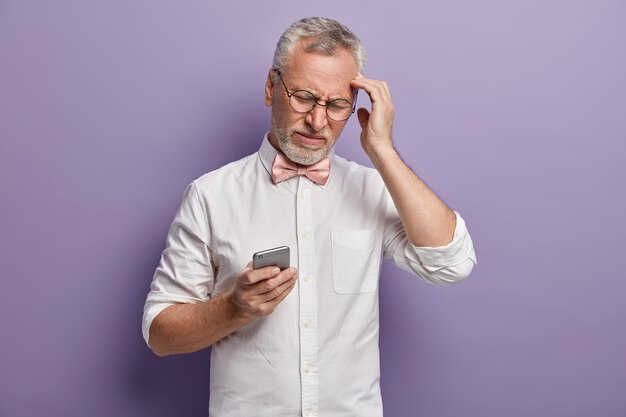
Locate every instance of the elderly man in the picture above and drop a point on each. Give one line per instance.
(304, 340)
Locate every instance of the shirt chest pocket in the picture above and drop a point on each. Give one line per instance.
(355, 259)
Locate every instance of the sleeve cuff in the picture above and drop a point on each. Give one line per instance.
(454, 253)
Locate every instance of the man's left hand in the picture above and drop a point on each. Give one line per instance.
(375, 126)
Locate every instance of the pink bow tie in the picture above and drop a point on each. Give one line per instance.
(283, 169)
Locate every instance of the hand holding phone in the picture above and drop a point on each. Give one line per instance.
(258, 290)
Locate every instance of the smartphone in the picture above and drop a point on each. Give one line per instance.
(272, 257)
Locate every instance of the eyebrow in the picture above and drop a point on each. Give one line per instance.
(330, 98)
(315, 92)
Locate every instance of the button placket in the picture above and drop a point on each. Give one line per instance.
(308, 297)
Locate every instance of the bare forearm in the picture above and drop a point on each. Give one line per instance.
(184, 328)
(426, 219)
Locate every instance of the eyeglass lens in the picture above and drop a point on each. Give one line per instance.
(303, 101)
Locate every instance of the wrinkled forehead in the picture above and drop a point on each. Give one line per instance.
(307, 48)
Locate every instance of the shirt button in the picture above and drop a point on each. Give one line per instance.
(307, 369)
(307, 323)
(306, 278)
(304, 235)
(307, 413)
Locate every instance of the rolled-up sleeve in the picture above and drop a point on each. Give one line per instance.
(437, 265)
(185, 273)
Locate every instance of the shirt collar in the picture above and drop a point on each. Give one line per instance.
(267, 153)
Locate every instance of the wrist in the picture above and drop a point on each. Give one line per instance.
(237, 311)
(382, 155)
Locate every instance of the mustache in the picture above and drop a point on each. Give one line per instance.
(307, 130)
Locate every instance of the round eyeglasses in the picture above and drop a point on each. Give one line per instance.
(303, 101)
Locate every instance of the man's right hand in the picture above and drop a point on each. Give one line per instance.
(258, 291)
(188, 327)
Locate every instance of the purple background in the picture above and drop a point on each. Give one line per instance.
(513, 111)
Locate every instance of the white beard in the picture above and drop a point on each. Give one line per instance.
(300, 154)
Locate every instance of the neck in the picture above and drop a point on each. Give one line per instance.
(274, 141)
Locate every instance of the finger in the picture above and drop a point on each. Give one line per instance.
(376, 90)
(363, 82)
(266, 308)
(285, 293)
(386, 86)
(363, 116)
(380, 92)
(244, 275)
(251, 276)
(277, 292)
(271, 284)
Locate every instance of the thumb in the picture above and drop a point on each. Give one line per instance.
(363, 116)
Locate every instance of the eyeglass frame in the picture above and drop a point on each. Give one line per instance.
(317, 100)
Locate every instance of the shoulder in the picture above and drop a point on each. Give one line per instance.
(230, 181)
(233, 172)
(353, 172)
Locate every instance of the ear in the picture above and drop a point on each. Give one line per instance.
(269, 88)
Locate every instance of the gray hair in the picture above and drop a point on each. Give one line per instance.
(326, 35)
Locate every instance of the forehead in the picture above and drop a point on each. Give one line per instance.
(327, 75)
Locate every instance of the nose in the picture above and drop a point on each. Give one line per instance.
(316, 118)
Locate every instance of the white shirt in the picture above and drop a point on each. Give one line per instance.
(317, 353)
